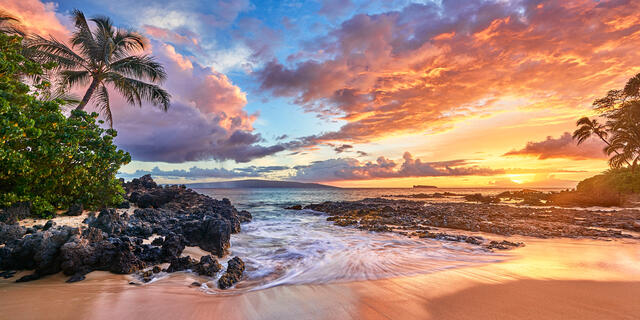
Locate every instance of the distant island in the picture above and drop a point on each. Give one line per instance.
(419, 186)
(257, 183)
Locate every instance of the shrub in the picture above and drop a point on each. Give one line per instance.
(47, 159)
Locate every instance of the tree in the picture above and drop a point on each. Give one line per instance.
(46, 159)
(106, 56)
(621, 132)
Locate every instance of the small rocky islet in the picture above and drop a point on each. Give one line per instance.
(114, 239)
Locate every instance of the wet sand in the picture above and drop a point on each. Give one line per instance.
(548, 279)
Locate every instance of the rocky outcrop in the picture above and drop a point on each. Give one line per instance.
(417, 219)
(11, 232)
(113, 241)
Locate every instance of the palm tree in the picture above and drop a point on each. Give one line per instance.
(625, 138)
(105, 55)
(587, 128)
(10, 24)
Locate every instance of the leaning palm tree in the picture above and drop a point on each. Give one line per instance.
(588, 128)
(104, 55)
(10, 24)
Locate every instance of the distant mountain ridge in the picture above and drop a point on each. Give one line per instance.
(257, 183)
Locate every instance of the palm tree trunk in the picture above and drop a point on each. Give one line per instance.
(88, 94)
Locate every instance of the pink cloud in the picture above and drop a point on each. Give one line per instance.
(562, 147)
(37, 17)
(383, 168)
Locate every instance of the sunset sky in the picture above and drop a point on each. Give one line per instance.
(367, 93)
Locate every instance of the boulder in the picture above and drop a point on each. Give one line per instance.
(108, 221)
(181, 264)
(172, 247)
(75, 210)
(235, 268)
(208, 266)
(11, 232)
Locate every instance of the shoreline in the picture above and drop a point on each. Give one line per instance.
(553, 278)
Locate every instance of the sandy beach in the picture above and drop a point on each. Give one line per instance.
(547, 279)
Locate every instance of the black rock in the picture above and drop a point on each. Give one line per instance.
(15, 213)
(75, 210)
(157, 241)
(181, 264)
(294, 207)
(244, 216)
(108, 221)
(50, 224)
(208, 266)
(235, 268)
(76, 277)
(7, 274)
(11, 233)
(172, 246)
(124, 205)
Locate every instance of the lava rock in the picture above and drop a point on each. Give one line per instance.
(75, 210)
(235, 268)
(181, 264)
(208, 266)
(11, 232)
(108, 221)
(15, 213)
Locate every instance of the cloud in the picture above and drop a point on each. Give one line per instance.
(342, 148)
(37, 17)
(427, 66)
(196, 173)
(383, 168)
(206, 119)
(562, 147)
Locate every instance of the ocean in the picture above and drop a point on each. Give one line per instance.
(300, 247)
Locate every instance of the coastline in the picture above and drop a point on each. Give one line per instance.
(551, 278)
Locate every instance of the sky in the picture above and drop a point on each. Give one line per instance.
(367, 93)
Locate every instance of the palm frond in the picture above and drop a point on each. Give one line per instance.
(128, 42)
(102, 102)
(70, 78)
(10, 25)
(82, 37)
(52, 50)
(142, 67)
(135, 91)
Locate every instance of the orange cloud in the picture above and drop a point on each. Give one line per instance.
(426, 67)
(37, 17)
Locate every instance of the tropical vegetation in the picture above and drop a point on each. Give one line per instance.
(48, 160)
(103, 57)
(621, 129)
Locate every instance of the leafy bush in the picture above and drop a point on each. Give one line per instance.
(616, 180)
(47, 159)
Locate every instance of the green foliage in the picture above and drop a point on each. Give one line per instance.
(621, 132)
(47, 159)
(616, 180)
